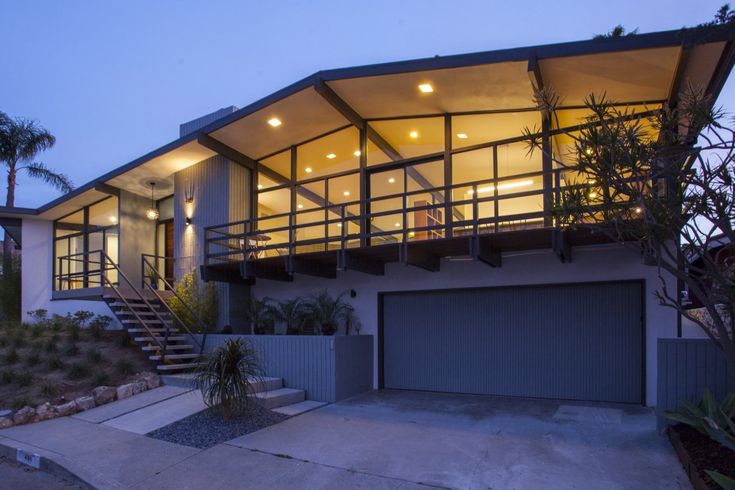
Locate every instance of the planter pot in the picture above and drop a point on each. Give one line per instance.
(689, 467)
(329, 329)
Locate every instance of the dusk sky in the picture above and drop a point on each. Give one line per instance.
(113, 80)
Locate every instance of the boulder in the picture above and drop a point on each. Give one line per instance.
(24, 415)
(104, 394)
(139, 386)
(152, 380)
(84, 403)
(124, 391)
(65, 409)
(44, 412)
(6, 422)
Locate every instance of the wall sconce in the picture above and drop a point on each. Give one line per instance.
(187, 220)
(189, 194)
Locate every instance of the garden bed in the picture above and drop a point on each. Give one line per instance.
(208, 428)
(697, 453)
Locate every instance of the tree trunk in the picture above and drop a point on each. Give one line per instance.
(7, 241)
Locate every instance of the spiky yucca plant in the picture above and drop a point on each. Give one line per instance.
(228, 375)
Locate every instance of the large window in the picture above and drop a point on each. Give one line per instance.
(90, 229)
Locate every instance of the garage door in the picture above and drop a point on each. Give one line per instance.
(577, 342)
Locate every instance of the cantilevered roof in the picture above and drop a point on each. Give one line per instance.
(641, 69)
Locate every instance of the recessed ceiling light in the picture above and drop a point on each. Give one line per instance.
(113, 219)
(414, 134)
(331, 155)
(307, 170)
(300, 206)
(391, 180)
(462, 136)
(339, 225)
(275, 122)
(346, 193)
(357, 153)
(426, 88)
(398, 225)
(260, 186)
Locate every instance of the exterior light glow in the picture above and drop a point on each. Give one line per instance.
(462, 136)
(307, 170)
(588, 151)
(346, 193)
(391, 180)
(502, 187)
(593, 195)
(426, 88)
(414, 134)
(331, 155)
(638, 210)
(357, 153)
(152, 214)
(275, 122)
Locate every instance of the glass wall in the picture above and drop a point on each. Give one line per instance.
(90, 229)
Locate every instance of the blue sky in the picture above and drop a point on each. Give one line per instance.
(113, 80)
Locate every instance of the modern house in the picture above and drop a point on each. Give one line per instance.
(409, 185)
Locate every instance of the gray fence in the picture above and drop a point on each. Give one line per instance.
(328, 368)
(685, 368)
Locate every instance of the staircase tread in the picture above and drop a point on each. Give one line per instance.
(147, 348)
(278, 392)
(171, 367)
(299, 407)
(192, 355)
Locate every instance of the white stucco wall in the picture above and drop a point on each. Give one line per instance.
(590, 264)
(36, 272)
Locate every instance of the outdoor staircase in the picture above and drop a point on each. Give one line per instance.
(147, 321)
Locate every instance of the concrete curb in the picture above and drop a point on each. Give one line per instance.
(56, 464)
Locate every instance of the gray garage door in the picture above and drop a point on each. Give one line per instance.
(577, 342)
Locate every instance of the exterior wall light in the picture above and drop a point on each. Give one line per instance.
(152, 212)
(187, 220)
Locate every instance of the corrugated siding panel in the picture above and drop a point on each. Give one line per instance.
(304, 362)
(685, 368)
(569, 341)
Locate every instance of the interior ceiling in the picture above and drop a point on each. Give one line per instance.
(161, 169)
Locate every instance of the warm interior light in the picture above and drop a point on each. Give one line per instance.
(426, 88)
(339, 225)
(152, 214)
(414, 134)
(331, 155)
(275, 122)
(113, 219)
(588, 151)
(307, 170)
(502, 187)
(398, 225)
(593, 195)
(411, 234)
(260, 186)
(300, 206)
(346, 193)
(357, 153)
(462, 136)
(391, 180)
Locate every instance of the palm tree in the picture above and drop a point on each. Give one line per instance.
(20, 141)
(291, 313)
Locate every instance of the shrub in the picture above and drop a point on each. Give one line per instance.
(11, 357)
(123, 367)
(4, 340)
(327, 311)
(71, 350)
(99, 325)
(24, 379)
(93, 356)
(32, 359)
(36, 331)
(78, 370)
(22, 401)
(81, 317)
(201, 299)
(51, 344)
(7, 376)
(227, 375)
(54, 363)
(19, 339)
(101, 378)
(59, 323)
(73, 332)
(124, 340)
(39, 315)
(49, 389)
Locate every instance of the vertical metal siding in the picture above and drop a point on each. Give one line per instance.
(580, 341)
(685, 368)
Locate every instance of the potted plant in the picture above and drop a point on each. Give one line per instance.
(291, 313)
(257, 313)
(327, 311)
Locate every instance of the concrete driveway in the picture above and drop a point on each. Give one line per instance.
(464, 441)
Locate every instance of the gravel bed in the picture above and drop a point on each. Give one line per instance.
(208, 428)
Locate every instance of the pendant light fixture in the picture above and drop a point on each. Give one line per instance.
(152, 213)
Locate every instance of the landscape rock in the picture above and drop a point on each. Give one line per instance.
(124, 391)
(44, 412)
(84, 403)
(5, 413)
(6, 422)
(104, 394)
(139, 386)
(65, 409)
(152, 380)
(24, 415)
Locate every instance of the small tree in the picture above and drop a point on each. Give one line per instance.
(257, 312)
(201, 299)
(641, 179)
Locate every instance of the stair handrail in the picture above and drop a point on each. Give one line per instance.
(169, 286)
(121, 274)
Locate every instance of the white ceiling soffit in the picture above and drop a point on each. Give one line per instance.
(161, 169)
(77, 202)
(303, 115)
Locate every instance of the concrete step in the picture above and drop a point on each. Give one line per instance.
(178, 367)
(172, 338)
(155, 321)
(280, 397)
(267, 383)
(175, 356)
(140, 312)
(149, 348)
(137, 306)
(152, 330)
(299, 408)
